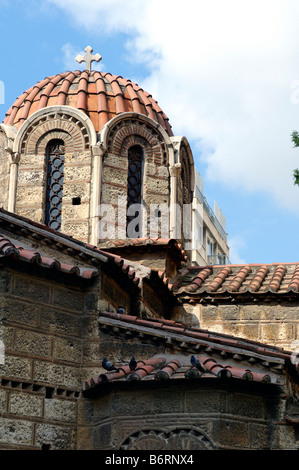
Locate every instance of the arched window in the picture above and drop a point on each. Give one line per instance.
(55, 173)
(185, 175)
(134, 190)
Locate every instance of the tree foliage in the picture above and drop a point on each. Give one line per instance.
(295, 140)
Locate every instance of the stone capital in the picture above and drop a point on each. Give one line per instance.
(98, 150)
(175, 170)
(14, 156)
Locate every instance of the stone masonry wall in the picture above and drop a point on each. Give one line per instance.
(43, 324)
(52, 345)
(31, 192)
(155, 184)
(113, 296)
(117, 350)
(169, 417)
(274, 323)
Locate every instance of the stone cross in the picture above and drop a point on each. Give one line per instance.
(88, 58)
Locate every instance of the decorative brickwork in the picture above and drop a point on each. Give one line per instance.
(63, 127)
(132, 132)
(178, 439)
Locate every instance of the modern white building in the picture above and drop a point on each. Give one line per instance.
(209, 238)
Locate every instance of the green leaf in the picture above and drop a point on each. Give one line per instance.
(295, 138)
(296, 176)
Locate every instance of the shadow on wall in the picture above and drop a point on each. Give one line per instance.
(186, 314)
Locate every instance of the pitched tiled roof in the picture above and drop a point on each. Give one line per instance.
(141, 242)
(125, 266)
(249, 279)
(118, 245)
(173, 368)
(220, 356)
(38, 232)
(183, 337)
(83, 252)
(98, 94)
(12, 250)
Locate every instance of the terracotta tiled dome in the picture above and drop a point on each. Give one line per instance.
(100, 95)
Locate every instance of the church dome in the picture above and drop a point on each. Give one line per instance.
(100, 95)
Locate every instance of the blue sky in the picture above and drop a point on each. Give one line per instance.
(225, 73)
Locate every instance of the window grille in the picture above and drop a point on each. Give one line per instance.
(135, 155)
(55, 159)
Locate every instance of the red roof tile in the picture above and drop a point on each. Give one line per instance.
(238, 279)
(115, 245)
(163, 369)
(64, 243)
(110, 94)
(184, 336)
(11, 249)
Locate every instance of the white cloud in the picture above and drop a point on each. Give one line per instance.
(223, 72)
(236, 244)
(69, 51)
(104, 16)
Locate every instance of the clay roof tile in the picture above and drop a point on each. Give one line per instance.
(219, 279)
(277, 278)
(9, 249)
(100, 92)
(238, 279)
(294, 283)
(160, 369)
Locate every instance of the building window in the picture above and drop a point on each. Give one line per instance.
(211, 245)
(134, 191)
(55, 173)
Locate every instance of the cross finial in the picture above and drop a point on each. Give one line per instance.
(88, 58)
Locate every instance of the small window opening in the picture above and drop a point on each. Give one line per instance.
(46, 446)
(76, 201)
(49, 392)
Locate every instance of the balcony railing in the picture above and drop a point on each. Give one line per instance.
(210, 213)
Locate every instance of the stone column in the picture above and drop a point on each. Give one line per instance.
(174, 173)
(13, 179)
(98, 151)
